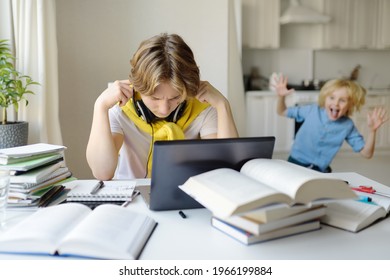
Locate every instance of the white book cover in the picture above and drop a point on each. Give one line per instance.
(30, 150)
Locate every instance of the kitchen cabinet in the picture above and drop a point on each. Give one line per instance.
(357, 24)
(260, 23)
(383, 35)
(262, 119)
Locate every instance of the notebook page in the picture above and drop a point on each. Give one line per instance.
(112, 191)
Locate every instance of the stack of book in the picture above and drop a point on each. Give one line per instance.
(272, 222)
(266, 199)
(35, 171)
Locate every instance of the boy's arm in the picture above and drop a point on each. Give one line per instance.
(226, 125)
(282, 92)
(374, 121)
(281, 107)
(103, 146)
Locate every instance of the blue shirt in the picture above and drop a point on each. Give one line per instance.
(319, 139)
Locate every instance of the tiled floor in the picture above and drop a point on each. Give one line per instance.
(376, 168)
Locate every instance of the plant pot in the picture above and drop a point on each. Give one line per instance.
(13, 134)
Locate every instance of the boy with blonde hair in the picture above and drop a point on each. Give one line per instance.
(163, 99)
(327, 125)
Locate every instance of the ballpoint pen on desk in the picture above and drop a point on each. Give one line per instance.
(98, 186)
(371, 190)
(134, 195)
(181, 213)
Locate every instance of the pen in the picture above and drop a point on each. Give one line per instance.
(49, 196)
(181, 213)
(368, 189)
(98, 186)
(127, 202)
(364, 198)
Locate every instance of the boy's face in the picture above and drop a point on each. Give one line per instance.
(163, 101)
(337, 104)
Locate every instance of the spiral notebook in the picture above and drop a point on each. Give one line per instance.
(112, 191)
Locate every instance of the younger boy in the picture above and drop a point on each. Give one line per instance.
(327, 124)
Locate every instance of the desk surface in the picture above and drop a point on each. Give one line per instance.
(194, 238)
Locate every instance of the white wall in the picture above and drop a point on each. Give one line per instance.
(5, 20)
(374, 72)
(96, 39)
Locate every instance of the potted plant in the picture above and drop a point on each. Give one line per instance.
(14, 86)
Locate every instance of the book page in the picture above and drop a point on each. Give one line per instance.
(110, 231)
(355, 180)
(116, 190)
(352, 215)
(300, 183)
(43, 230)
(276, 173)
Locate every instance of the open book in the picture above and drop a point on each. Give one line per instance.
(72, 229)
(356, 215)
(261, 182)
(352, 215)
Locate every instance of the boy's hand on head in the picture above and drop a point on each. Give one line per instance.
(376, 118)
(209, 94)
(126, 92)
(118, 92)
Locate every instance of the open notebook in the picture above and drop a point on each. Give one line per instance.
(112, 191)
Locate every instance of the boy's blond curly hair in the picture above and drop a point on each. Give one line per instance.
(356, 93)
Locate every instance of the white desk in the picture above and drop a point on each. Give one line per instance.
(194, 238)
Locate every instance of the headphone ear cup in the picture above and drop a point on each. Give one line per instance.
(177, 113)
(149, 117)
(143, 111)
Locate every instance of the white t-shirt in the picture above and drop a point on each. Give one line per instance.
(133, 156)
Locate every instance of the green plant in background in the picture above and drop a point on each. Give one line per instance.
(13, 85)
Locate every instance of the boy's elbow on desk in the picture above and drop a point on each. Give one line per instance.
(103, 175)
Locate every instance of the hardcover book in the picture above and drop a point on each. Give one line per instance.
(73, 229)
(262, 182)
(248, 238)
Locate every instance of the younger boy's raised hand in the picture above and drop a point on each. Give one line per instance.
(280, 85)
(376, 118)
